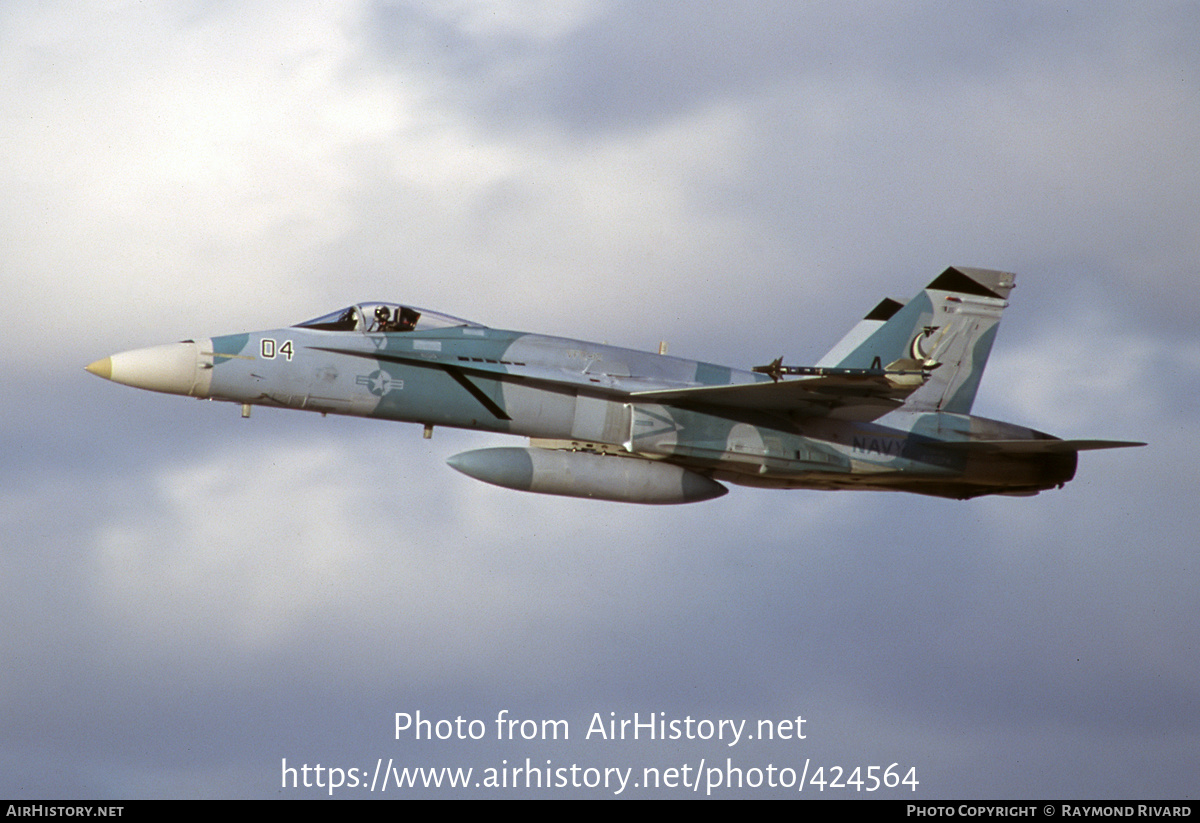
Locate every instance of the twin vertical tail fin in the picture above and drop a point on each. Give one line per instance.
(949, 327)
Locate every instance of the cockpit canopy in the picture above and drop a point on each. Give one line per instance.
(384, 317)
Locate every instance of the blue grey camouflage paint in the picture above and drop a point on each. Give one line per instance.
(888, 408)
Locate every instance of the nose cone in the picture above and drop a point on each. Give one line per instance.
(101, 368)
(172, 368)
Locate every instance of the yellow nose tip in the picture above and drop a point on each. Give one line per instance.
(101, 368)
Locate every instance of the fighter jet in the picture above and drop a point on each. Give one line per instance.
(887, 409)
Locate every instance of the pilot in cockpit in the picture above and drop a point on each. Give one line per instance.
(404, 320)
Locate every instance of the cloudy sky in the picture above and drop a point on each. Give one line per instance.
(190, 598)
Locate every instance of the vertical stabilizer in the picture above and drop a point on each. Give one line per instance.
(949, 326)
(865, 328)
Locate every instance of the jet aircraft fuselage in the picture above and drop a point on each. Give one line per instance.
(886, 409)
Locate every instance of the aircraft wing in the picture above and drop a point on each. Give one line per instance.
(858, 394)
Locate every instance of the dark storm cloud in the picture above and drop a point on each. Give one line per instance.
(634, 65)
(890, 136)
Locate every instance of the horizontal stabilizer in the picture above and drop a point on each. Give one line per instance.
(1048, 446)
